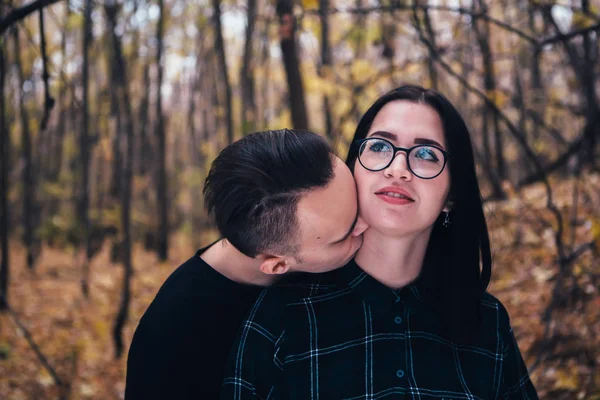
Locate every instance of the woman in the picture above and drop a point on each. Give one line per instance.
(409, 316)
(444, 224)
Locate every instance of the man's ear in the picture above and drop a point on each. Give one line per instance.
(274, 265)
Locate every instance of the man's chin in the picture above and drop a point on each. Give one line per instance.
(349, 259)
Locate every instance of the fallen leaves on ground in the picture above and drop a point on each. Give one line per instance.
(75, 333)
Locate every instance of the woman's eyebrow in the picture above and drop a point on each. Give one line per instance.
(391, 136)
(385, 134)
(427, 141)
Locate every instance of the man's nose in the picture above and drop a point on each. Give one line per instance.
(360, 227)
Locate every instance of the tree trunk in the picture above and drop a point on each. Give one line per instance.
(247, 75)
(146, 148)
(537, 87)
(359, 23)
(57, 138)
(195, 135)
(519, 104)
(489, 80)
(84, 142)
(388, 34)
(592, 125)
(433, 77)
(28, 179)
(221, 59)
(124, 106)
(191, 117)
(359, 51)
(48, 100)
(291, 63)
(325, 65)
(117, 139)
(266, 82)
(162, 195)
(4, 154)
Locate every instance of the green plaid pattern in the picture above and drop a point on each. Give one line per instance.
(350, 337)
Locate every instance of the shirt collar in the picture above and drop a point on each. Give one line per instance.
(376, 294)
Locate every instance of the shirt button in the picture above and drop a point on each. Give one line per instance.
(400, 373)
(398, 320)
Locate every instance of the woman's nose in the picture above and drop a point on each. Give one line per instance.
(399, 167)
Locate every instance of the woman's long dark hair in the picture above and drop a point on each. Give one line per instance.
(457, 266)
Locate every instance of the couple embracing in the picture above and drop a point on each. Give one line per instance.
(358, 280)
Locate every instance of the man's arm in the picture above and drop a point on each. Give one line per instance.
(158, 369)
(254, 368)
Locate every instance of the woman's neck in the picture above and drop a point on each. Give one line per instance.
(393, 261)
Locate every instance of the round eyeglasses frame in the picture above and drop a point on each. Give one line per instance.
(396, 150)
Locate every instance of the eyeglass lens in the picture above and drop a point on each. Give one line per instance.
(424, 161)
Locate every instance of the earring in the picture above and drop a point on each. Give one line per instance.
(447, 221)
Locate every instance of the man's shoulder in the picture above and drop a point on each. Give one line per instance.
(185, 281)
(191, 293)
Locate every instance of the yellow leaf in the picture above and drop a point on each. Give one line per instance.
(566, 380)
(582, 21)
(45, 379)
(310, 4)
(361, 69)
(497, 97)
(457, 67)
(412, 68)
(596, 232)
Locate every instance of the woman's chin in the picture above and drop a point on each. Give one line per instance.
(399, 230)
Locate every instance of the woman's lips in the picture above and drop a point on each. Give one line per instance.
(394, 195)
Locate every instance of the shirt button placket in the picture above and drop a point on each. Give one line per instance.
(398, 320)
(397, 306)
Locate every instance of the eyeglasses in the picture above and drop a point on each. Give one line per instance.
(424, 161)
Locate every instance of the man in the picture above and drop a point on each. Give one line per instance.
(282, 203)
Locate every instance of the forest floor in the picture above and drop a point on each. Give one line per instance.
(75, 333)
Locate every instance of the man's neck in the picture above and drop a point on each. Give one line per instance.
(230, 262)
(395, 262)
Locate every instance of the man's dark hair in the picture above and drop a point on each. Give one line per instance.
(254, 185)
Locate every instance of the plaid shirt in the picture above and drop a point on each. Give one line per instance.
(354, 338)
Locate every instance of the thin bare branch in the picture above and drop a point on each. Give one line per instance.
(423, 7)
(567, 36)
(48, 100)
(59, 382)
(19, 13)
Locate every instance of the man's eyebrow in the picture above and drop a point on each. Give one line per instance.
(348, 233)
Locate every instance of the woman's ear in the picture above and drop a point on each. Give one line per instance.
(449, 205)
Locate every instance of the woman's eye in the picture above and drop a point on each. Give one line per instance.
(425, 153)
(378, 147)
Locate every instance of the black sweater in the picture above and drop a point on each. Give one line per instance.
(181, 345)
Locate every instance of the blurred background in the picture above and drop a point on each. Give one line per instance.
(112, 111)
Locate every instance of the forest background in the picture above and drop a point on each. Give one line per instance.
(112, 111)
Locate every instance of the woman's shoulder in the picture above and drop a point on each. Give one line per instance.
(494, 313)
